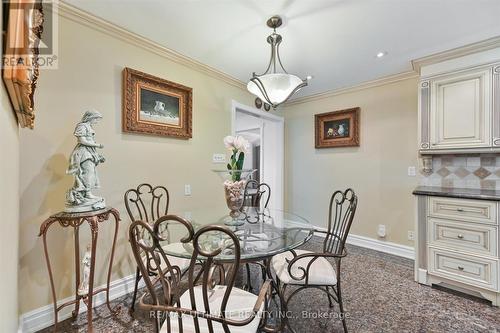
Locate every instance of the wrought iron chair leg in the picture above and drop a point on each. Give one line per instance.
(284, 308)
(341, 306)
(157, 325)
(136, 286)
(330, 298)
(249, 282)
(264, 274)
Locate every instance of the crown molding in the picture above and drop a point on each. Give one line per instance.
(362, 86)
(89, 20)
(461, 51)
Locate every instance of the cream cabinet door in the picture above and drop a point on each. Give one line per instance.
(461, 110)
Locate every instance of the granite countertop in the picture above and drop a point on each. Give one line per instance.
(464, 193)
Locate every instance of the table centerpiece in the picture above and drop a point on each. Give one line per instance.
(235, 177)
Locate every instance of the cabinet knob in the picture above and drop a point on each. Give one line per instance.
(460, 268)
(460, 236)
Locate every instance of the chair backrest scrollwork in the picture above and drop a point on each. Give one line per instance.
(210, 242)
(340, 216)
(158, 270)
(147, 203)
(256, 192)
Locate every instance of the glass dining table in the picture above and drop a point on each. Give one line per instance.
(262, 234)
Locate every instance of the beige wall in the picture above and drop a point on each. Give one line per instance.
(377, 170)
(9, 210)
(89, 75)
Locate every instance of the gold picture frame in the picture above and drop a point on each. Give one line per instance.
(156, 106)
(337, 129)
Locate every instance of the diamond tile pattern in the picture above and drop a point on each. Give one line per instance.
(443, 172)
(481, 173)
(462, 172)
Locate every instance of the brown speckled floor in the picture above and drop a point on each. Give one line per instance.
(379, 296)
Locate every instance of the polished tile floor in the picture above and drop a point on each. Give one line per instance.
(379, 296)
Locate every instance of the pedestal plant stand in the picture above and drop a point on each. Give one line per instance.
(75, 220)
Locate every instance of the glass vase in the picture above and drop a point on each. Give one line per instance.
(234, 182)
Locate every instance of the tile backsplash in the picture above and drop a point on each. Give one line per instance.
(464, 171)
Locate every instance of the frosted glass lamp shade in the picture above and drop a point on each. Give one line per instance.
(277, 86)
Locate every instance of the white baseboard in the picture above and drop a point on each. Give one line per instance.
(378, 245)
(43, 317)
(382, 246)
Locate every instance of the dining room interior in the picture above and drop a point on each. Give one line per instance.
(250, 166)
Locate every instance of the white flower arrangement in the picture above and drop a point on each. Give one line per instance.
(237, 143)
(238, 146)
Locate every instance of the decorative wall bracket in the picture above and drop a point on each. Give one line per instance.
(22, 31)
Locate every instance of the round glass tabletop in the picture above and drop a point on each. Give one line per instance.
(264, 233)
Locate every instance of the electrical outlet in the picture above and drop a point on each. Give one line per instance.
(219, 158)
(381, 230)
(412, 171)
(188, 216)
(411, 235)
(187, 189)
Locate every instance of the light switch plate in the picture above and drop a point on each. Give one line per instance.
(412, 171)
(219, 158)
(187, 189)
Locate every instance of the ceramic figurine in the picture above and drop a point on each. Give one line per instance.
(83, 288)
(82, 165)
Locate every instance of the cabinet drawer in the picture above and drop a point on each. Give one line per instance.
(463, 209)
(479, 272)
(469, 237)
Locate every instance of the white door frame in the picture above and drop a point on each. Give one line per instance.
(235, 107)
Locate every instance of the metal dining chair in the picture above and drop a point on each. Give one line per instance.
(306, 269)
(210, 302)
(254, 194)
(147, 203)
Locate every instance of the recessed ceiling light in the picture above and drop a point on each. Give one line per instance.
(381, 54)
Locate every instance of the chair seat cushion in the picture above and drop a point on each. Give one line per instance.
(239, 307)
(321, 271)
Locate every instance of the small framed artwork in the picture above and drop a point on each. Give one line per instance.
(337, 129)
(155, 106)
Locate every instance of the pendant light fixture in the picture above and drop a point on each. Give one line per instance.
(275, 86)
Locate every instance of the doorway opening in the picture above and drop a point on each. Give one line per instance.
(265, 133)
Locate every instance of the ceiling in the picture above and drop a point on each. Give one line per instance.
(335, 41)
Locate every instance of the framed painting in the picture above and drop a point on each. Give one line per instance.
(337, 129)
(155, 106)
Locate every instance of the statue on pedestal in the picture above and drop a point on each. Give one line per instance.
(83, 288)
(82, 165)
